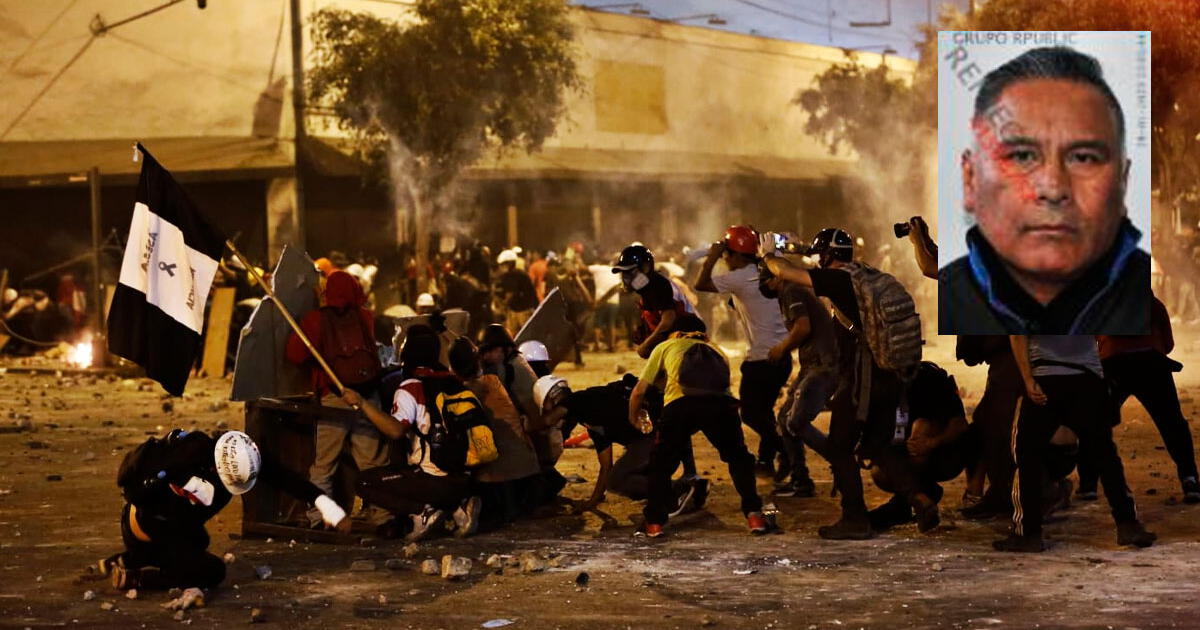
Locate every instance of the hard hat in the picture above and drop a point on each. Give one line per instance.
(425, 299)
(633, 257)
(324, 266)
(534, 351)
(742, 239)
(833, 241)
(545, 385)
(506, 256)
(238, 461)
(355, 270)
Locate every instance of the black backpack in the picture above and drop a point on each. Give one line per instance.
(703, 371)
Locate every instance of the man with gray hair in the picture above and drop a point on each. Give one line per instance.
(1052, 251)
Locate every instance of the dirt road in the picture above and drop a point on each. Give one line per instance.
(59, 508)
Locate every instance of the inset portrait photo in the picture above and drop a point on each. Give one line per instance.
(1044, 182)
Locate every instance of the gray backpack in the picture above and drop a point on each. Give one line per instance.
(890, 323)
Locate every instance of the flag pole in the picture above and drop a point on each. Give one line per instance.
(286, 315)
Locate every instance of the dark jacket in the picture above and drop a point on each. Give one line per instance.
(146, 480)
(976, 295)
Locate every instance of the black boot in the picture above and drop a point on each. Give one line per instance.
(895, 512)
(1020, 544)
(846, 530)
(1135, 534)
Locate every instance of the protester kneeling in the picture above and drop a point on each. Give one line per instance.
(442, 422)
(938, 445)
(509, 485)
(172, 486)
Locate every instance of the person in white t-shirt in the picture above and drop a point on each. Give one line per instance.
(608, 306)
(418, 488)
(763, 375)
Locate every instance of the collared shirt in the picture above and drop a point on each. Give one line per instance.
(977, 295)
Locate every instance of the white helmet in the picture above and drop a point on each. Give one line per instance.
(506, 256)
(424, 299)
(238, 461)
(545, 385)
(355, 270)
(534, 351)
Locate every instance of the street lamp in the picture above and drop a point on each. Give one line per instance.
(713, 18)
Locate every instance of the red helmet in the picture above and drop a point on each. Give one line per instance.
(742, 239)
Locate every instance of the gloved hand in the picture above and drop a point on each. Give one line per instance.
(331, 512)
(196, 490)
(190, 598)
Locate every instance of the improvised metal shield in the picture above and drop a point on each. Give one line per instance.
(261, 369)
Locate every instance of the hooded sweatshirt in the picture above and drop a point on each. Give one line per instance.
(342, 292)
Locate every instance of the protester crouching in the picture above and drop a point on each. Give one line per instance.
(507, 485)
(603, 412)
(433, 484)
(173, 486)
(343, 332)
(499, 356)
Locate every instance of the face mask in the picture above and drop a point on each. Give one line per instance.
(639, 281)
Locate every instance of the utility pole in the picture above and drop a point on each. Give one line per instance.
(300, 133)
(99, 345)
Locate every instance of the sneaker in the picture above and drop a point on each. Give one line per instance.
(425, 523)
(1191, 490)
(1086, 493)
(1020, 544)
(970, 500)
(757, 523)
(649, 530)
(686, 503)
(466, 517)
(800, 488)
(846, 530)
(701, 496)
(1135, 534)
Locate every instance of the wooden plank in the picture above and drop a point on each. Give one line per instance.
(216, 339)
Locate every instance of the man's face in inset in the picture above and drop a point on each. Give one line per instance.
(1046, 183)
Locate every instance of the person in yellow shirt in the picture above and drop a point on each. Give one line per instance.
(694, 377)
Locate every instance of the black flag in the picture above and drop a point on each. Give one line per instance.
(172, 255)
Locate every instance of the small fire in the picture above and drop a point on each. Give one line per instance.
(81, 354)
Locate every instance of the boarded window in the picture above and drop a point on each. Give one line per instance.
(630, 98)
